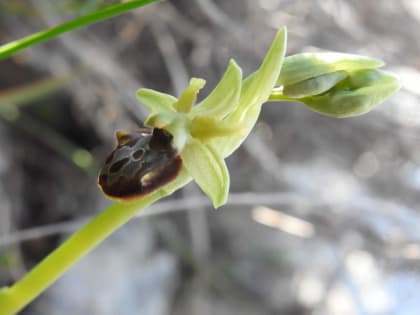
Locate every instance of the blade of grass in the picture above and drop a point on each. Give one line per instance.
(14, 98)
(78, 156)
(27, 93)
(13, 47)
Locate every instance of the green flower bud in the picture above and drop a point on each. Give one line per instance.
(359, 93)
(334, 84)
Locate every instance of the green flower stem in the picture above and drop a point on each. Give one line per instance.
(278, 97)
(16, 297)
(42, 36)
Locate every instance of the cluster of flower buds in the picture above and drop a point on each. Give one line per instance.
(335, 84)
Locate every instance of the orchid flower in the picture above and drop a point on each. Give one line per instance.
(335, 84)
(205, 134)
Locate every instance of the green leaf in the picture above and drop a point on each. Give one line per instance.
(208, 169)
(225, 96)
(304, 66)
(13, 47)
(156, 102)
(256, 90)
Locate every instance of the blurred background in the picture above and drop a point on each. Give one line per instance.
(323, 216)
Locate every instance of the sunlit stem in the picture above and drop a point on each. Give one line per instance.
(278, 97)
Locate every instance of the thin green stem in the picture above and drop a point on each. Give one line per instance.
(27, 93)
(11, 48)
(278, 97)
(14, 298)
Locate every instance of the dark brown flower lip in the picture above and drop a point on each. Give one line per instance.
(143, 161)
(176, 167)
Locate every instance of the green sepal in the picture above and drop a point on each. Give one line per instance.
(257, 87)
(208, 169)
(304, 66)
(367, 78)
(256, 90)
(156, 102)
(225, 96)
(314, 86)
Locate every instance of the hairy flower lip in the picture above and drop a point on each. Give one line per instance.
(126, 176)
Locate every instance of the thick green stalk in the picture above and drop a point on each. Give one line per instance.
(16, 297)
(11, 48)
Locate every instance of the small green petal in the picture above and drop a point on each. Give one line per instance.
(304, 66)
(225, 96)
(188, 97)
(314, 86)
(208, 169)
(156, 102)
